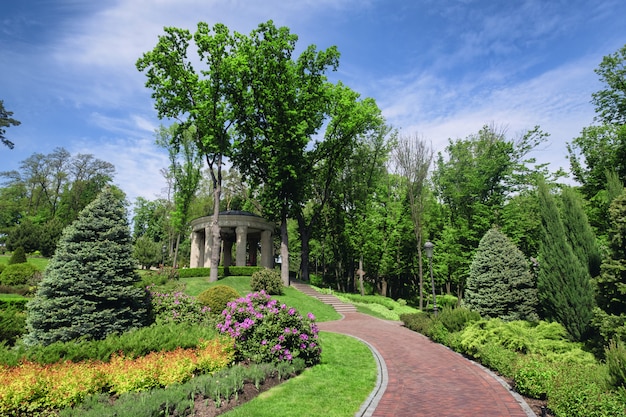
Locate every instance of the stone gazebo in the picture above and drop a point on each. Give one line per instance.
(242, 228)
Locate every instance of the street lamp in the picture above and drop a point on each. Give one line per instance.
(428, 248)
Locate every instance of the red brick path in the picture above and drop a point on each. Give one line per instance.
(427, 379)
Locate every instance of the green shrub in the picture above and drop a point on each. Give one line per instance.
(497, 358)
(217, 297)
(11, 301)
(242, 271)
(265, 331)
(177, 307)
(418, 322)
(316, 279)
(534, 377)
(2, 266)
(19, 274)
(583, 391)
(455, 319)
(18, 256)
(12, 325)
(198, 272)
(267, 280)
(615, 355)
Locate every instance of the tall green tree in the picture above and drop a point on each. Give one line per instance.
(578, 231)
(413, 157)
(564, 284)
(196, 99)
(88, 287)
(280, 104)
(185, 170)
(612, 280)
(500, 283)
(610, 102)
(6, 121)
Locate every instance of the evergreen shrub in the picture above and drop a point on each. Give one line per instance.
(2, 267)
(216, 298)
(265, 331)
(88, 289)
(535, 376)
(267, 280)
(616, 361)
(19, 274)
(198, 272)
(455, 319)
(12, 325)
(18, 256)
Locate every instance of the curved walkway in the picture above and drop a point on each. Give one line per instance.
(420, 378)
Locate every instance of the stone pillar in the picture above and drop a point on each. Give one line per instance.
(253, 245)
(242, 242)
(208, 246)
(267, 252)
(227, 246)
(197, 249)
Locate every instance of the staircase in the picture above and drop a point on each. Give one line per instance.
(335, 302)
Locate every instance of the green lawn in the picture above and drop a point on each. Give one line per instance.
(40, 263)
(335, 388)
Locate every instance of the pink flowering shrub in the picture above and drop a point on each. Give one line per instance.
(266, 331)
(177, 307)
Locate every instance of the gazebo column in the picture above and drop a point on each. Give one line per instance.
(253, 245)
(197, 249)
(228, 252)
(267, 256)
(242, 242)
(208, 246)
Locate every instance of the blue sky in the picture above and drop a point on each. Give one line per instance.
(437, 68)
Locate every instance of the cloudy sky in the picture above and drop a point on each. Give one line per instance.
(437, 68)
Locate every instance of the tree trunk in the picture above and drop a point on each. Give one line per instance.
(175, 261)
(284, 251)
(305, 237)
(361, 273)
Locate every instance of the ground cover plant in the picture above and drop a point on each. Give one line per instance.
(538, 358)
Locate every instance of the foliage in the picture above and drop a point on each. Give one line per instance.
(267, 332)
(147, 252)
(217, 297)
(579, 232)
(267, 280)
(612, 280)
(217, 388)
(583, 391)
(88, 288)
(456, 319)
(6, 121)
(534, 376)
(611, 101)
(157, 337)
(18, 256)
(13, 301)
(563, 284)
(177, 308)
(194, 272)
(12, 324)
(31, 387)
(500, 283)
(20, 274)
(616, 361)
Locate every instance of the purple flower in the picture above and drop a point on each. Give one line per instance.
(311, 316)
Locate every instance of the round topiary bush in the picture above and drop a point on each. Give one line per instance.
(18, 274)
(267, 280)
(217, 297)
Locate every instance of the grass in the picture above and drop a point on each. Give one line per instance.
(335, 388)
(40, 263)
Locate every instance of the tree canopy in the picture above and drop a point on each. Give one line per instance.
(6, 121)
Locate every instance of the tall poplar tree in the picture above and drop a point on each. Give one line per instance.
(564, 284)
(88, 287)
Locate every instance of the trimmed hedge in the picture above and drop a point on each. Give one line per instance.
(238, 271)
(18, 303)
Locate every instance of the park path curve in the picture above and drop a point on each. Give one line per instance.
(420, 378)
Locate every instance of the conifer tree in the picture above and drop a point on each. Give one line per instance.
(18, 256)
(564, 284)
(88, 287)
(612, 281)
(500, 283)
(578, 231)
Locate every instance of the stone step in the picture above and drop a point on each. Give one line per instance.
(329, 299)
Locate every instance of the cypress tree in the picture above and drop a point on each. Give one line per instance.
(88, 287)
(612, 280)
(500, 283)
(578, 231)
(18, 256)
(564, 284)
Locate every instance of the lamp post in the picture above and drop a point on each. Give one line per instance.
(428, 248)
